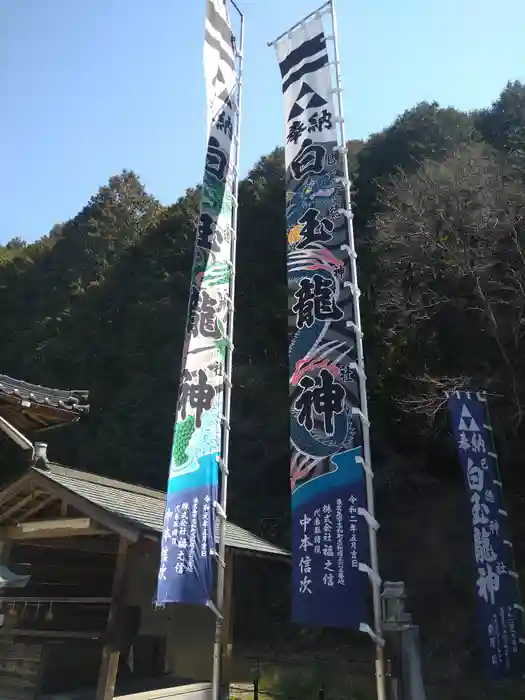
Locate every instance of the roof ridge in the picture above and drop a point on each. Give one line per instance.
(5, 378)
(75, 400)
(55, 468)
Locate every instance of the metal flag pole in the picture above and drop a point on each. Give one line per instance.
(323, 7)
(223, 463)
(369, 475)
(372, 570)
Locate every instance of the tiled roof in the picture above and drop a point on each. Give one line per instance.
(69, 400)
(144, 508)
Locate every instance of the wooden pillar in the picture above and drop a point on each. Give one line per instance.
(227, 627)
(107, 676)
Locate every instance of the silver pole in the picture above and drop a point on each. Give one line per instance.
(304, 19)
(369, 476)
(221, 553)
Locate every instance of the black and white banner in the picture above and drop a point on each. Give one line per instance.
(329, 531)
(307, 87)
(219, 58)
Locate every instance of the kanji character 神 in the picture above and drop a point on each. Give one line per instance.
(487, 584)
(323, 396)
(198, 396)
(347, 373)
(339, 271)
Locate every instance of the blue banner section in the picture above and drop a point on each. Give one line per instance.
(185, 573)
(330, 539)
(497, 588)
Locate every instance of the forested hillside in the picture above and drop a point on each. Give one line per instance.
(100, 303)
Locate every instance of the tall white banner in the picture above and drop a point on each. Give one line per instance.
(188, 542)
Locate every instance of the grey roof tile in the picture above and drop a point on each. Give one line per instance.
(144, 508)
(70, 400)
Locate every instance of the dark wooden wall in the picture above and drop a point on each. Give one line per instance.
(60, 579)
(20, 668)
(64, 569)
(63, 610)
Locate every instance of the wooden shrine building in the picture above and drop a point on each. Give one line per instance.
(85, 550)
(78, 571)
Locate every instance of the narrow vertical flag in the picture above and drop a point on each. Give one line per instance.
(188, 539)
(329, 534)
(500, 615)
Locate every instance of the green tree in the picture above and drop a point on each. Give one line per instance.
(503, 124)
(16, 242)
(101, 302)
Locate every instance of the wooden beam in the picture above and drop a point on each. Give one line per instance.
(56, 634)
(39, 507)
(111, 653)
(16, 506)
(63, 527)
(109, 520)
(227, 627)
(15, 487)
(98, 545)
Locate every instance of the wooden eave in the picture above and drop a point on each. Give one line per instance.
(32, 493)
(121, 508)
(31, 417)
(31, 408)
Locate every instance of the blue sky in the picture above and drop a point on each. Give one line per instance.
(89, 87)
